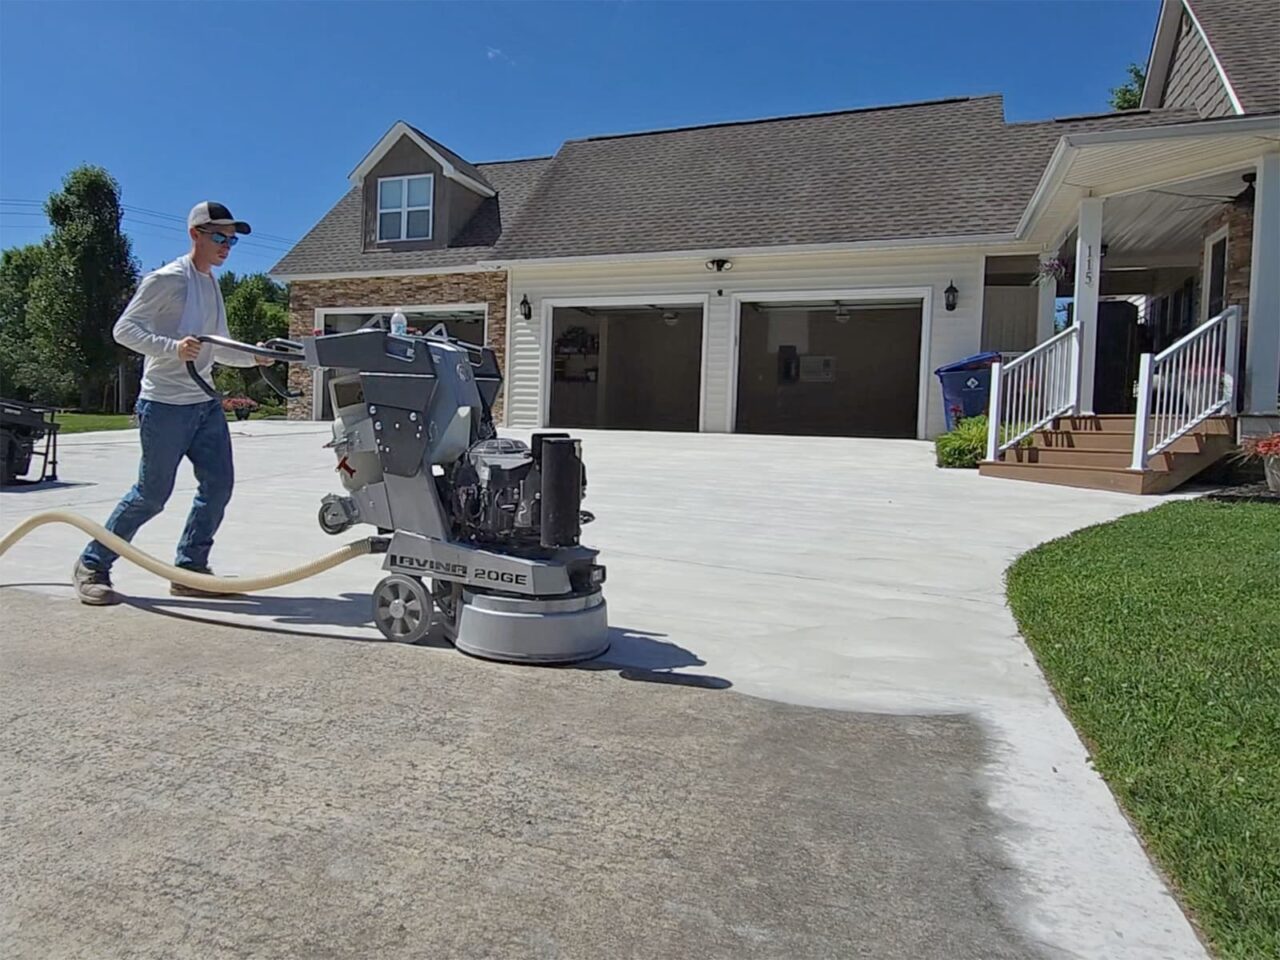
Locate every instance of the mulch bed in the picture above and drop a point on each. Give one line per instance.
(1246, 492)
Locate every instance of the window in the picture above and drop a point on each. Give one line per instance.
(1215, 274)
(404, 208)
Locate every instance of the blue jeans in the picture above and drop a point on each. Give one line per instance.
(170, 431)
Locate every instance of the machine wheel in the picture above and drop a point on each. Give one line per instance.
(329, 525)
(402, 608)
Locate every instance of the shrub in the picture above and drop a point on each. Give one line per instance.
(965, 446)
(230, 404)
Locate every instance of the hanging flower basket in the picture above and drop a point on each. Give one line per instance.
(1051, 271)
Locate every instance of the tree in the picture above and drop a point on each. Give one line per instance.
(1128, 96)
(257, 310)
(18, 269)
(87, 275)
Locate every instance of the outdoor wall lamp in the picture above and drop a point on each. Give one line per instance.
(526, 309)
(950, 294)
(719, 265)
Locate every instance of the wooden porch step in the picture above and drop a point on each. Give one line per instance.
(1067, 475)
(1107, 440)
(1123, 423)
(1089, 456)
(1099, 459)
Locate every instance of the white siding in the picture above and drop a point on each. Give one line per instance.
(1009, 316)
(953, 334)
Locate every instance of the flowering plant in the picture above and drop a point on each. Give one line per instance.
(1052, 270)
(230, 404)
(1262, 447)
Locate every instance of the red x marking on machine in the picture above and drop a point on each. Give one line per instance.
(343, 465)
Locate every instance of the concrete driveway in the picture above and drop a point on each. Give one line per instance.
(816, 734)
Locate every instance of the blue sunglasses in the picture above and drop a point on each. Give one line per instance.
(221, 239)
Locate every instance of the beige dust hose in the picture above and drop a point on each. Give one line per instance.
(201, 581)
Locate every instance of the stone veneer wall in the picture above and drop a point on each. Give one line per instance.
(1239, 223)
(306, 295)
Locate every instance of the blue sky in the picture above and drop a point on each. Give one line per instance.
(267, 106)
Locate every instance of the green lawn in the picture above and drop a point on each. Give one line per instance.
(1161, 635)
(85, 422)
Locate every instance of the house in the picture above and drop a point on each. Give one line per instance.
(807, 274)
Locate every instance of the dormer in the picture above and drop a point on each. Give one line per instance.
(417, 194)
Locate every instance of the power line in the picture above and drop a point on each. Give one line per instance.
(261, 245)
(167, 216)
(268, 256)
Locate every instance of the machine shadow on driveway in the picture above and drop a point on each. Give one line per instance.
(637, 655)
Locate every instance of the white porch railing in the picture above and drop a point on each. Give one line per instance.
(1192, 380)
(1032, 390)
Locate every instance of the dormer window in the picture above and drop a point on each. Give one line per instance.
(404, 208)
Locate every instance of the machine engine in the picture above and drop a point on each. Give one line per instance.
(497, 493)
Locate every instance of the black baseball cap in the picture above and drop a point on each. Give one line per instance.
(208, 213)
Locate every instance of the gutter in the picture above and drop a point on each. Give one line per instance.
(707, 253)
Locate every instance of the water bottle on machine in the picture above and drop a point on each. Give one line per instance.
(399, 323)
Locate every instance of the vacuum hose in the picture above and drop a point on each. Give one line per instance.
(200, 581)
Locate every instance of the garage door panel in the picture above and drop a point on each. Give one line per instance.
(809, 370)
(626, 368)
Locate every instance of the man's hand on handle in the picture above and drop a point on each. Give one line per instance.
(189, 348)
(263, 361)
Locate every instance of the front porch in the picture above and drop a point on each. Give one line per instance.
(1157, 309)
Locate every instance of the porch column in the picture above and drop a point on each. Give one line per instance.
(1088, 282)
(1047, 304)
(1262, 353)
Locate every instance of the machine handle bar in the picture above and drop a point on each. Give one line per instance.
(276, 348)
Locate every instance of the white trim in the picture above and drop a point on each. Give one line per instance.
(512, 309)
(546, 316)
(320, 314)
(405, 209)
(1054, 173)
(389, 139)
(1222, 74)
(1160, 60)
(923, 294)
(1176, 131)
(1206, 270)
(1005, 243)
(404, 272)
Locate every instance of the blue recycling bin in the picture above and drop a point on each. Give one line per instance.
(966, 386)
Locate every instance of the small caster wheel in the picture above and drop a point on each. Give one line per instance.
(402, 608)
(332, 519)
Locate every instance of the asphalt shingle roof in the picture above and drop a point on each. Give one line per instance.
(334, 244)
(915, 172)
(470, 169)
(1245, 36)
(945, 169)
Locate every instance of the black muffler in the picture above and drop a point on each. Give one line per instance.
(561, 467)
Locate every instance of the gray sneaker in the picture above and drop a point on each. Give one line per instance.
(93, 586)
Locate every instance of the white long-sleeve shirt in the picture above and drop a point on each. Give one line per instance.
(158, 317)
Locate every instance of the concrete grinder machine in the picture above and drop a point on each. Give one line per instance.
(481, 533)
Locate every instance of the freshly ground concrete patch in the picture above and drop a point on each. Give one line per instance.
(187, 790)
(850, 575)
